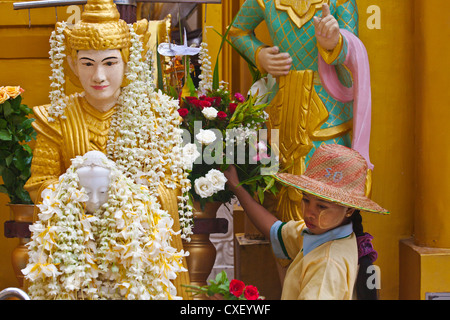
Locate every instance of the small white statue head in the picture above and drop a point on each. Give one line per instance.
(95, 177)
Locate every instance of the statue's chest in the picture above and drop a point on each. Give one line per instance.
(98, 133)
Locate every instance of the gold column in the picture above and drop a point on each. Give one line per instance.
(432, 221)
(425, 259)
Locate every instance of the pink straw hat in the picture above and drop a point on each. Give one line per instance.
(335, 173)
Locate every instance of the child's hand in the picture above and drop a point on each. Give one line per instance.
(327, 29)
(232, 177)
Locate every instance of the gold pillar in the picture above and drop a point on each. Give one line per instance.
(425, 259)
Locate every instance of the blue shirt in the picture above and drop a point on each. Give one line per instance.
(310, 241)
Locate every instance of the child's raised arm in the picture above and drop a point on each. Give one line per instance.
(258, 215)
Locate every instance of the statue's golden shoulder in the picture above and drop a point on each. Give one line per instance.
(43, 124)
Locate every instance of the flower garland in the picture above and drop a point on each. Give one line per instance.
(57, 55)
(120, 251)
(145, 139)
(205, 77)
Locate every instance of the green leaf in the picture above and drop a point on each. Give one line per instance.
(3, 123)
(159, 70)
(5, 135)
(3, 189)
(9, 159)
(261, 195)
(28, 149)
(8, 177)
(215, 84)
(270, 184)
(7, 109)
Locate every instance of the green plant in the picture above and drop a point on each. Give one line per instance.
(15, 155)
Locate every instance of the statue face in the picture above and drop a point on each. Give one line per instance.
(101, 73)
(95, 181)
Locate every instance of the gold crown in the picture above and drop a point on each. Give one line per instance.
(100, 28)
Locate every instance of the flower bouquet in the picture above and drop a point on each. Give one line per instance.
(227, 290)
(220, 130)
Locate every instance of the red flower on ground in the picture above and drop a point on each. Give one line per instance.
(251, 293)
(221, 115)
(236, 287)
(183, 112)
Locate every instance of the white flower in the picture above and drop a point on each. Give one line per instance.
(189, 155)
(217, 178)
(206, 137)
(126, 241)
(261, 88)
(203, 187)
(210, 113)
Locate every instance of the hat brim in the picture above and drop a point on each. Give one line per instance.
(329, 193)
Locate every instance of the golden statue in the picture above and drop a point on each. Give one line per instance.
(118, 113)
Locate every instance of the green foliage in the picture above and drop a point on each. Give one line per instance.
(15, 155)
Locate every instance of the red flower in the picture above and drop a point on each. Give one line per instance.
(221, 115)
(217, 101)
(209, 99)
(236, 287)
(204, 104)
(251, 293)
(183, 112)
(232, 107)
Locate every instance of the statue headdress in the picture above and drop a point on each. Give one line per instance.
(100, 28)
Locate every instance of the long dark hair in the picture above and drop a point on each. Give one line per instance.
(363, 292)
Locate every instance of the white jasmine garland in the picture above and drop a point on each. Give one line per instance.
(57, 55)
(122, 251)
(206, 79)
(145, 138)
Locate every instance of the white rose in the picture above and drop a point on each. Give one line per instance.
(206, 137)
(203, 187)
(210, 113)
(190, 151)
(217, 178)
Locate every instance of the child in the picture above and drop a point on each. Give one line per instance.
(326, 244)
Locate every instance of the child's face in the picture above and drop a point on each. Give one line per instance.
(321, 216)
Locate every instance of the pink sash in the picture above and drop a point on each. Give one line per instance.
(357, 62)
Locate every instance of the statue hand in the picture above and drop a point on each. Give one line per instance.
(273, 62)
(327, 29)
